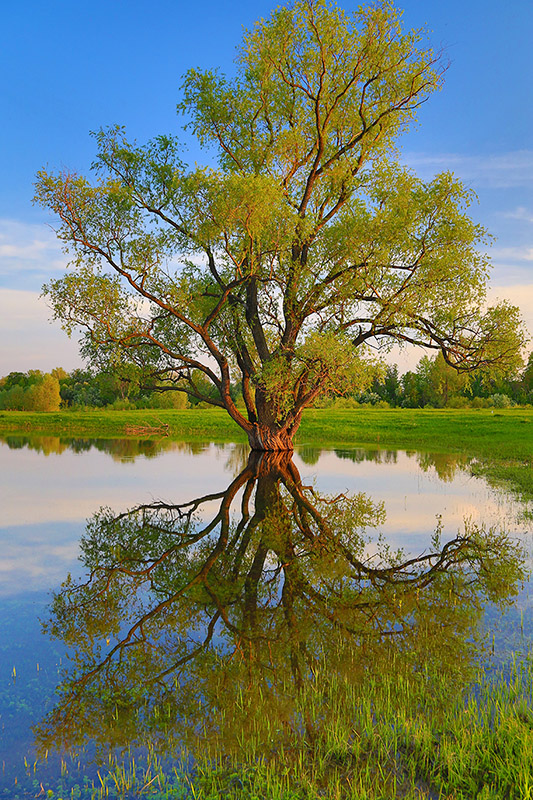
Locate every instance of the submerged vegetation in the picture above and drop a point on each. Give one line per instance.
(398, 734)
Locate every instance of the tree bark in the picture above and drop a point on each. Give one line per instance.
(272, 429)
(271, 437)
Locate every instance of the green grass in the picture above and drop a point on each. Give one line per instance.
(401, 736)
(507, 433)
(206, 424)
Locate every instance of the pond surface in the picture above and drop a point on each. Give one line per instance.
(195, 570)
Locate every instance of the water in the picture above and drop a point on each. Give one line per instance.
(177, 603)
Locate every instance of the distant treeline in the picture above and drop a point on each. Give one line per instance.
(432, 384)
(435, 384)
(38, 391)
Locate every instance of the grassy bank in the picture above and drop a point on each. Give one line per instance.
(501, 441)
(206, 424)
(506, 434)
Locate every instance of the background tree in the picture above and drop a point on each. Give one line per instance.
(305, 246)
(387, 385)
(411, 391)
(31, 391)
(527, 380)
(45, 395)
(438, 381)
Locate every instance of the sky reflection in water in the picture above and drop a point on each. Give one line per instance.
(47, 498)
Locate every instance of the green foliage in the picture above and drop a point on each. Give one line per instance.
(527, 375)
(167, 400)
(499, 401)
(440, 383)
(436, 384)
(45, 396)
(33, 391)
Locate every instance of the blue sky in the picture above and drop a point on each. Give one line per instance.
(69, 68)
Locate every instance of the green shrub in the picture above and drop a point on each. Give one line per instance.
(500, 401)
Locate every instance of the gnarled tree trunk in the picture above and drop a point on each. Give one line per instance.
(271, 429)
(265, 437)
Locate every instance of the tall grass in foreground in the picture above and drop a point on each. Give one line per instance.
(396, 736)
(401, 736)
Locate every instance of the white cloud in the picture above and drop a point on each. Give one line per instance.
(512, 254)
(522, 214)
(503, 171)
(28, 253)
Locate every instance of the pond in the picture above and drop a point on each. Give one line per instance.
(172, 599)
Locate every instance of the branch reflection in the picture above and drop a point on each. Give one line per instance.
(203, 625)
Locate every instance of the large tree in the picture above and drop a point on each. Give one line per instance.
(304, 248)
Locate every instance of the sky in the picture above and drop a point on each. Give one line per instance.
(70, 68)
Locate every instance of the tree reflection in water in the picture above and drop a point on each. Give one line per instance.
(241, 619)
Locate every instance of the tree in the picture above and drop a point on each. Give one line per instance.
(438, 381)
(31, 391)
(81, 388)
(411, 393)
(304, 247)
(45, 396)
(527, 377)
(388, 386)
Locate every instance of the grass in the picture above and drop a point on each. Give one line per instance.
(401, 734)
(507, 433)
(403, 741)
(206, 424)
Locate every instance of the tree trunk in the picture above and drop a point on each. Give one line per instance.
(272, 430)
(271, 437)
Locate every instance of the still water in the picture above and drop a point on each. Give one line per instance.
(148, 580)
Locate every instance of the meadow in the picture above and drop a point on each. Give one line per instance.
(483, 431)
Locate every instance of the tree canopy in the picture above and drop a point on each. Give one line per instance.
(303, 251)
